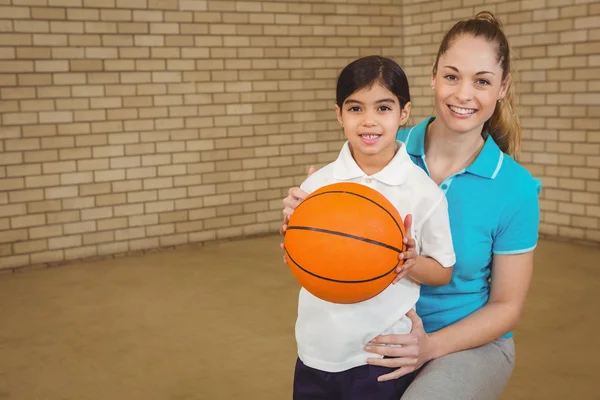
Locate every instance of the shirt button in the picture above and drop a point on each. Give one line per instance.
(444, 186)
(368, 180)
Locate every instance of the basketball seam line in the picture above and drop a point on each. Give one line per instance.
(357, 195)
(347, 235)
(339, 280)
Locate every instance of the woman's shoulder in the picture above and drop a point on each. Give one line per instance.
(405, 133)
(518, 178)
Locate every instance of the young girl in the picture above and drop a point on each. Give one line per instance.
(372, 102)
(464, 342)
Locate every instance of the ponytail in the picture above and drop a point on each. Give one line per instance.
(504, 125)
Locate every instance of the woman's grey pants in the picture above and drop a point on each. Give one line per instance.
(475, 374)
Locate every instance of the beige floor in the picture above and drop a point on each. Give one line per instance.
(217, 323)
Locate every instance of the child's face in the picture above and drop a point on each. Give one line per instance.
(371, 118)
(468, 84)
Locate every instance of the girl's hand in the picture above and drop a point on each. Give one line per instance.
(294, 198)
(416, 348)
(410, 255)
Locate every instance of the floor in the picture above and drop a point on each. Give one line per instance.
(217, 323)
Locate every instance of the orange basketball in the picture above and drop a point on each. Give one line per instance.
(342, 242)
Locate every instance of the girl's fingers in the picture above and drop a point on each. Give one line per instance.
(408, 255)
(408, 225)
(399, 277)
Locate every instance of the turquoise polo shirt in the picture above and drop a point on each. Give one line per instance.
(493, 209)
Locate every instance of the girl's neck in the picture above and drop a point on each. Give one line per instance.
(372, 164)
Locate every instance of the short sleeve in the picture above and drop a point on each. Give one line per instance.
(434, 235)
(317, 180)
(518, 228)
(310, 184)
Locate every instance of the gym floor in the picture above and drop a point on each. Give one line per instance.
(216, 322)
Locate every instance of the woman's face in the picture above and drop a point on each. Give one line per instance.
(468, 84)
(371, 118)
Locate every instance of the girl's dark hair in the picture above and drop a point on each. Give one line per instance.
(365, 72)
(504, 124)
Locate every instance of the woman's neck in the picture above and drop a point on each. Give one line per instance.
(441, 143)
(447, 152)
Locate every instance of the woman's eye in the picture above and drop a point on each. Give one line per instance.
(482, 82)
(451, 77)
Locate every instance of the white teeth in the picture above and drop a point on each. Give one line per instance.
(370, 136)
(462, 111)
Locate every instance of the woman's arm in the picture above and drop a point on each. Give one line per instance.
(511, 275)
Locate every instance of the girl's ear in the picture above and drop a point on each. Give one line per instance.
(338, 112)
(405, 113)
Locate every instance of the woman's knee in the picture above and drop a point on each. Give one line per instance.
(475, 374)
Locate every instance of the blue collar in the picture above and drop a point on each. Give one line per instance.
(487, 164)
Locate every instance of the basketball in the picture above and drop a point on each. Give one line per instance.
(342, 243)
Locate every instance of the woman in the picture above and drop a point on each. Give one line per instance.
(461, 344)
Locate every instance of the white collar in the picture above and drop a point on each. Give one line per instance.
(393, 174)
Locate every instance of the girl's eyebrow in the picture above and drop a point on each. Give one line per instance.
(479, 73)
(387, 100)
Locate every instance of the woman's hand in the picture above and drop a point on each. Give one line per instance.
(410, 351)
(410, 254)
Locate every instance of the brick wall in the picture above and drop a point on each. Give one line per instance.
(558, 65)
(136, 124)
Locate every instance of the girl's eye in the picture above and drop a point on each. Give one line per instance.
(384, 108)
(354, 109)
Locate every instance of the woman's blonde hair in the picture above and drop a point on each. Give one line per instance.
(504, 124)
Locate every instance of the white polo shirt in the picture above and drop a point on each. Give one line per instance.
(331, 336)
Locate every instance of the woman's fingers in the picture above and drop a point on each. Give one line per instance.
(395, 374)
(399, 352)
(392, 362)
(397, 339)
(416, 321)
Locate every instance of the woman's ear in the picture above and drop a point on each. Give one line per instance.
(405, 113)
(504, 87)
